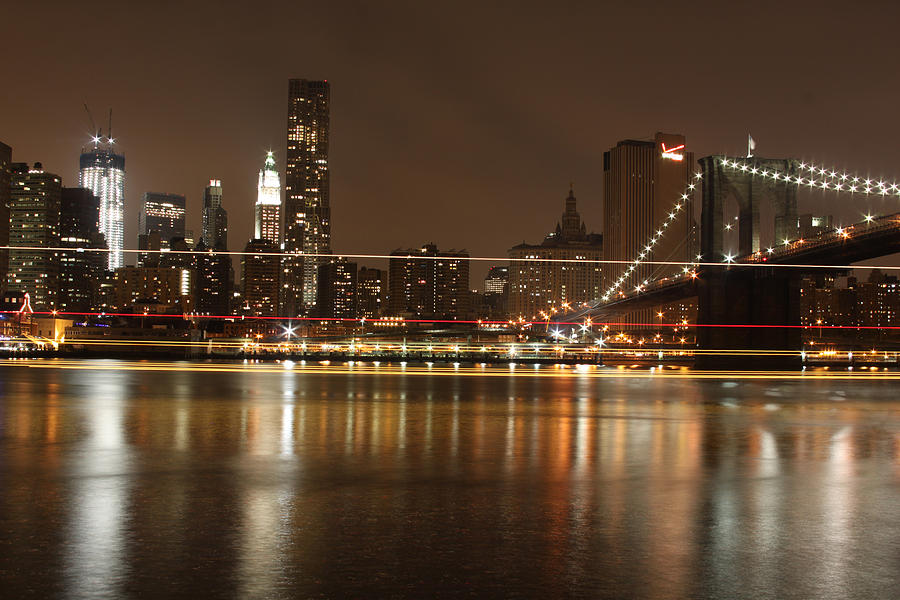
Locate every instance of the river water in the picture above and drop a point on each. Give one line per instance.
(282, 480)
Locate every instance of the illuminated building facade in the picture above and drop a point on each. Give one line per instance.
(80, 273)
(268, 203)
(848, 302)
(34, 221)
(103, 172)
(5, 164)
(154, 289)
(261, 266)
(429, 288)
(496, 281)
(307, 211)
(370, 289)
(164, 213)
(337, 289)
(214, 218)
(571, 275)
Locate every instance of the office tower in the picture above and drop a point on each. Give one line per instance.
(214, 217)
(215, 281)
(571, 275)
(642, 182)
(103, 172)
(496, 281)
(495, 296)
(5, 163)
(307, 212)
(268, 203)
(80, 272)
(34, 221)
(261, 266)
(164, 213)
(429, 288)
(337, 289)
(370, 289)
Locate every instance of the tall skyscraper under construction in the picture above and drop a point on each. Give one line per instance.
(307, 212)
(102, 171)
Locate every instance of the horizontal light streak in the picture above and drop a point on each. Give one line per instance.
(546, 371)
(482, 322)
(693, 263)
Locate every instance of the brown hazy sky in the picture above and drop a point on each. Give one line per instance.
(459, 123)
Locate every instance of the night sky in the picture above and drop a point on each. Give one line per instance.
(459, 123)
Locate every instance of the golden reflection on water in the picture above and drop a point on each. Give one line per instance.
(271, 479)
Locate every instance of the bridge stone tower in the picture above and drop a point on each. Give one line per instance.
(767, 299)
(721, 182)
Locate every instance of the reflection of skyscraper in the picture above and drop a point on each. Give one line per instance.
(307, 212)
(103, 172)
(164, 213)
(268, 203)
(215, 219)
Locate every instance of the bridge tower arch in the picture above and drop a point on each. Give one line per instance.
(721, 183)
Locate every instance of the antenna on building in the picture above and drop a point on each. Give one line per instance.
(109, 129)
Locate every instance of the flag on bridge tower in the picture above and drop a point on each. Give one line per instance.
(751, 146)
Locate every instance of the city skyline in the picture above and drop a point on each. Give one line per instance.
(376, 194)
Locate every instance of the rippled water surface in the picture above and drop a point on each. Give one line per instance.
(126, 479)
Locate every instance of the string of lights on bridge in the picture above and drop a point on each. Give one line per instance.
(820, 177)
(680, 206)
(816, 177)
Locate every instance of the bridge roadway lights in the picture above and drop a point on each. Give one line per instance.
(758, 296)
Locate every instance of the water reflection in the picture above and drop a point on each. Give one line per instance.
(296, 480)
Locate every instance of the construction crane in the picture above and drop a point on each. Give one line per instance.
(96, 136)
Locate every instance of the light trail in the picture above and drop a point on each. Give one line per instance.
(545, 371)
(674, 263)
(384, 321)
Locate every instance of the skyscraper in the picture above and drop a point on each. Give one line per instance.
(215, 219)
(34, 221)
(268, 203)
(370, 289)
(164, 213)
(337, 287)
(5, 162)
(103, 172)
(642, 181)
(307, 212)
(80, 273)
(261, 269)
(436, 287)
(215, 280)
